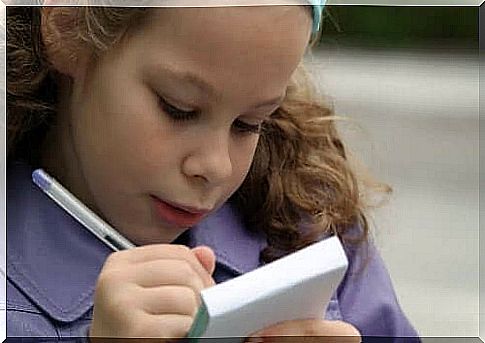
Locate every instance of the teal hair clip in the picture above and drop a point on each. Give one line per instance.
(318, 6)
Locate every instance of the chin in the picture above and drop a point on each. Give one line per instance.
(160, 235)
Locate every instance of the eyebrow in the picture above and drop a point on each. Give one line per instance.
(206, 87)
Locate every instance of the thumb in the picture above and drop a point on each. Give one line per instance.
(206, 257)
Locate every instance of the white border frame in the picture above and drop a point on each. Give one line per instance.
(158, 3)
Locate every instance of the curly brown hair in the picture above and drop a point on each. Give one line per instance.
(301, 185)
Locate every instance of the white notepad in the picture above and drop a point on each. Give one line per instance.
(298, 286)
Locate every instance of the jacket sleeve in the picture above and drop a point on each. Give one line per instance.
(367, 298)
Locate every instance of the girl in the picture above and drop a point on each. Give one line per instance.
(190, 132)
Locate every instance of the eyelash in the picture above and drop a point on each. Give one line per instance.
(177, 114)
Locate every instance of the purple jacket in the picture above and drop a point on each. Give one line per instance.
(53, 264)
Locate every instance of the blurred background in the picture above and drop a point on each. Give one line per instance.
(406, 78)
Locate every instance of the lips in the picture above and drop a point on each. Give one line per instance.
(177, 215)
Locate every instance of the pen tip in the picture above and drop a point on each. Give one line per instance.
(40, 178)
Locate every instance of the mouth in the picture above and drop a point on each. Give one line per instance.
(177, 214)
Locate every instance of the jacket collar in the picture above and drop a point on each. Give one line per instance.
(55, 261)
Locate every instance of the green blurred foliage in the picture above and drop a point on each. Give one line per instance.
(404, 22)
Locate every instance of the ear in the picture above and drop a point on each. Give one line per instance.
(65, 51)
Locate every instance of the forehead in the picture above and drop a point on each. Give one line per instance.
(226, 28)
(229, 17)
(232, 48)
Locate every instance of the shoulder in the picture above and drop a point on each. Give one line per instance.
(366, 295)
(23, 317)
(52, 263)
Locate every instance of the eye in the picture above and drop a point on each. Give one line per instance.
(176, 113)
(180, 115)
(245, 128)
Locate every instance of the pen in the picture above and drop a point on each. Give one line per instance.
(80, 212)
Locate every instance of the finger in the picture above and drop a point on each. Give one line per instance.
(206, 257)
(170, 300)
(336, 331)
(165, 326)
(150, 252)
(164, 273)
(153, 252)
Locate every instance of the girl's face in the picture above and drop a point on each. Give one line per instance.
(172, 113)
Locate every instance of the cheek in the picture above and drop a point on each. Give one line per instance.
(120, 145)
(242, 157)
(130, 126)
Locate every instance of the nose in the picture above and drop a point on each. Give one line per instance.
(210, 160)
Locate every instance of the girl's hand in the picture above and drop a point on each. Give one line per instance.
(311, 330)
(151, 291)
